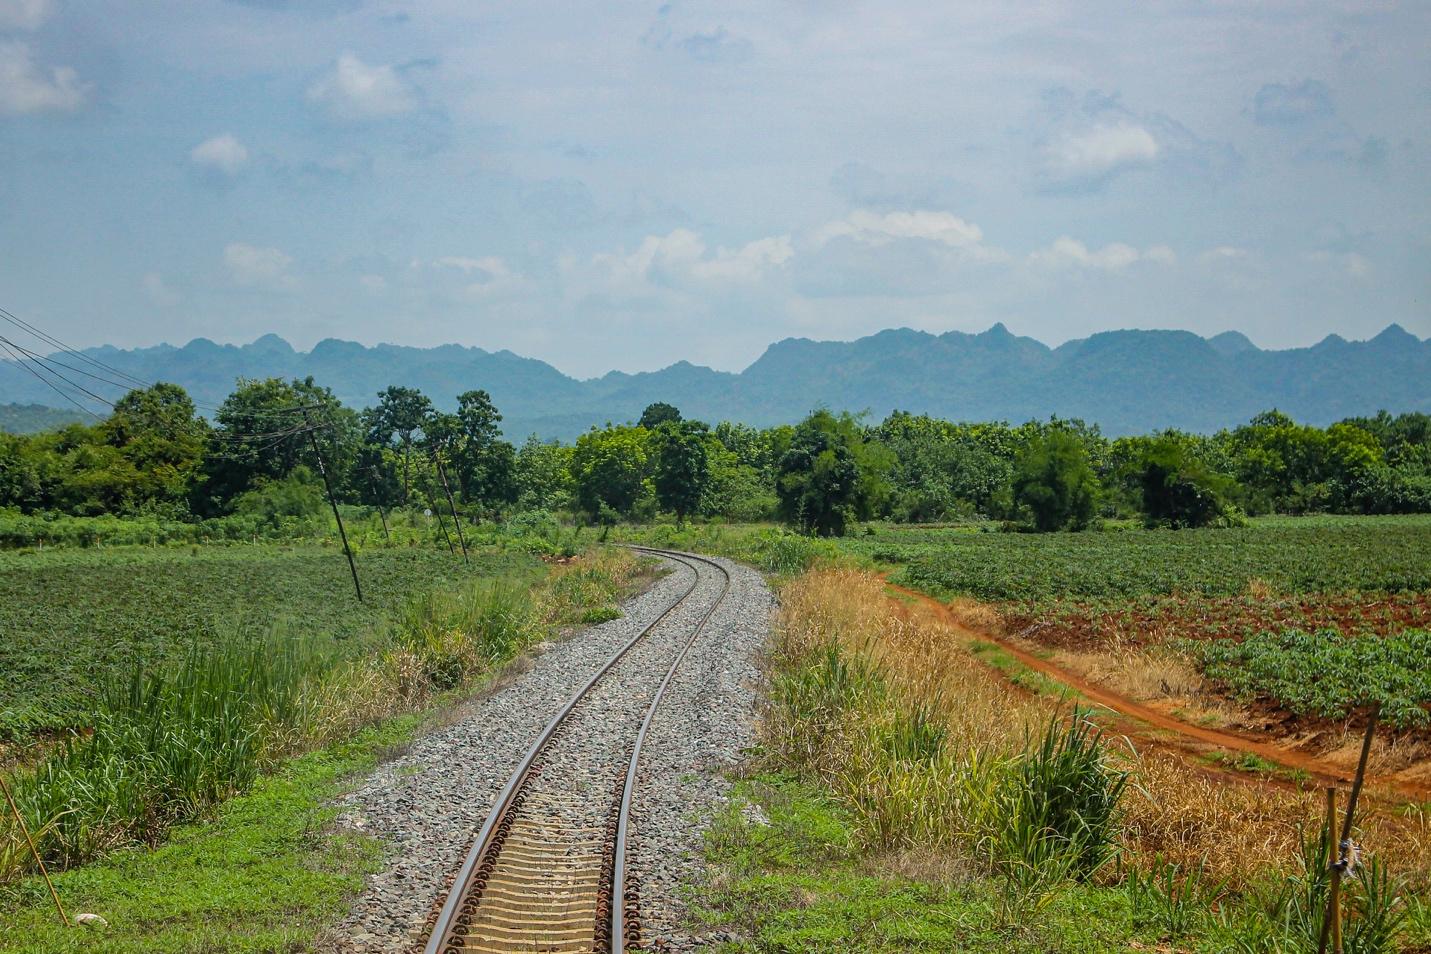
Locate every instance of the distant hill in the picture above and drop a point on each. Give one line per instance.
(30, 418)
(1126, 381)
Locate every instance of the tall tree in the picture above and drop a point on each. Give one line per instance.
(682, 471)
(1054, 482)
(400, 413)
(828, 476)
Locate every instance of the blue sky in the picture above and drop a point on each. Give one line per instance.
(622, 185)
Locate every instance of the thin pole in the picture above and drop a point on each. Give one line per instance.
(25, 829)
(456, 521)
(437, 512)
(332, 502)
(381, 516)
(1333, 915)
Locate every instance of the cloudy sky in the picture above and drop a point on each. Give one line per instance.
(622, 185)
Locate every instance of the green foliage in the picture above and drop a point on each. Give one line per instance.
(1178, 489)
(260, 877)
(1306, 555)
(73, 618)
(1060, 806)
(1055, 484)
(657, 414)
(1326, 673)
(299, 494)
(609, 468)
(457, 633)
(681, 466)
(829, 476)
(33, 418)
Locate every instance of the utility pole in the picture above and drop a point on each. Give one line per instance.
(332, 502)
(456, 520)
(381, 515)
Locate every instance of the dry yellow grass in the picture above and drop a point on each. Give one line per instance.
(1240, 828)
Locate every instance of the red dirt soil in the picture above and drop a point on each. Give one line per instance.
(1160, 729)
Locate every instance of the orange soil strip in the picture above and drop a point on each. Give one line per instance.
(1186, 733)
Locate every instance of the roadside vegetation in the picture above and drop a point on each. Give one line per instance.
(169, 733)
(908, 797)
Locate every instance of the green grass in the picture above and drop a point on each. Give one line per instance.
(1362, 554)
(263, 875)
(74, 618)
(795, 883)
(1327, 674)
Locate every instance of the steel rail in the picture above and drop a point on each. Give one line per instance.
(619, 927)
(441, 937)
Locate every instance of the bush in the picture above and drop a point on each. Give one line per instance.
(1062, 800)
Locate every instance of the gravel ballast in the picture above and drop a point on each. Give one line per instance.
(429, 803)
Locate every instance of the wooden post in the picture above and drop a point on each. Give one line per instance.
(437, 512)
(25, 830)
(456, 520)
(1331, 922)
(332, 502)
(381, 516)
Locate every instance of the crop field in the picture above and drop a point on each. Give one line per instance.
(1322, 555)
(75, 619)
(1311, 617)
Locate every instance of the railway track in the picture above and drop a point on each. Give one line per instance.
(548, 869)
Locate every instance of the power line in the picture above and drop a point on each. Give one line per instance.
(140, 382)
(49, 383)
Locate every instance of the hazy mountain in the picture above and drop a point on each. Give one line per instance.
(1127, 381)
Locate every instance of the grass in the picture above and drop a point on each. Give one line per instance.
(787, 877)
(169, 742)
(912, 800)
(263, 874)
(73, 618)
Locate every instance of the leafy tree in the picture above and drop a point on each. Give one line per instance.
(261, 436)
(681, 471)
(484, 463)
(828, 476)
(1178, 489)
(609, 468)
(161, 440)
(399, 414)
(541, 475)
(1054, 482)
(657, 414)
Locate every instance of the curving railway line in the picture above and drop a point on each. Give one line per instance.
(548, 869)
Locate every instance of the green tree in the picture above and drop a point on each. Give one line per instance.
(1178, 489)
(657, 414)
(681, 471)
(160, 440)
(609, 468)
(1054, 482)
(828, 476)
(400, 413)
(541, 475)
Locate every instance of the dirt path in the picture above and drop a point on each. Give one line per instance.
(1149, 725)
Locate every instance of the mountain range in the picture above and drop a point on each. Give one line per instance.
(1126, 381)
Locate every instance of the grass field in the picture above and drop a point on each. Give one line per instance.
(75, 619)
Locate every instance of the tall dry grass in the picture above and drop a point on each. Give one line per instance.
(870, 664)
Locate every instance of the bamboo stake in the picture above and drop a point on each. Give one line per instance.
(20, 820)
(1332, 920)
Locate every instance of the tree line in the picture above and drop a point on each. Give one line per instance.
(155, 454)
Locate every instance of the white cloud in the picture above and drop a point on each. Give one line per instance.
(375, 284)
(874, 229)
(1353, 264)
(223, 153)
(158, 291)
(24, 14)
(353, 91)
(681, 256)
(492, 275)
(259, 267)
(1068, 252)
(26, 87)
(1099, 151)
(1224, 253)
